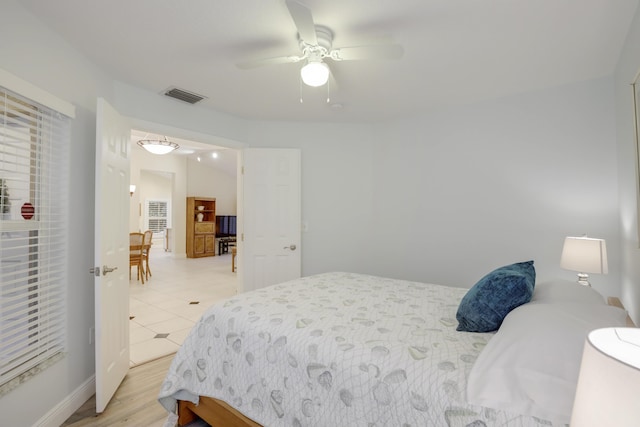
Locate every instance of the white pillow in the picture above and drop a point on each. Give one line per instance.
(559, 290)
(531, 364)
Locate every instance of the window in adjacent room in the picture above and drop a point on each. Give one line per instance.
(157, 217)
(34, 153)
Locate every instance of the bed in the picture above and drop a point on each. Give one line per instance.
(345, 349)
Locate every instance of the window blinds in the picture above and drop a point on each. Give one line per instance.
(157, 215)
(34, 155)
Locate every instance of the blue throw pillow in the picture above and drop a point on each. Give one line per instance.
(488, 302)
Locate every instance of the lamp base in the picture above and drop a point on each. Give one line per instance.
(583, 279)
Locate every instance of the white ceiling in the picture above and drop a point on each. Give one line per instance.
(455, 51)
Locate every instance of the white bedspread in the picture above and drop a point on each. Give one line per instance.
(337, 349)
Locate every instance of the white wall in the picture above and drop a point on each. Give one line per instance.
(149, 186)
(45, 60)
(447, 196)
(205, 181)
(628, 67)
(462, 191)
(155, 186)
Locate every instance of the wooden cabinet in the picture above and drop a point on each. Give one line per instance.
(201, 227)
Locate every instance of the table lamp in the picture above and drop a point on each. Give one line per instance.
(584, 255)
(609, 380)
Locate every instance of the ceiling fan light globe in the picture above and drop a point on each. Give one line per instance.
(315, 73)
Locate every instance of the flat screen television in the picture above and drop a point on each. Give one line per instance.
(225, 226)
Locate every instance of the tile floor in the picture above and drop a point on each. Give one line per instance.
(164, 309)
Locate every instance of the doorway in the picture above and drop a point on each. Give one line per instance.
(166, 307)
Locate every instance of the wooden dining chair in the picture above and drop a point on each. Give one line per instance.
(148, 236)
(136, 246)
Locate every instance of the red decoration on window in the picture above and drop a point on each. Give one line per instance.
(27, 210)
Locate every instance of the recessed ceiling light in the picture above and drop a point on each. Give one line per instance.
(214, 155)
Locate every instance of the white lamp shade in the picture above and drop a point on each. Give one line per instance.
(158, 146)
(315, 73)
(585, 255)
(132, 188)
(609, 380)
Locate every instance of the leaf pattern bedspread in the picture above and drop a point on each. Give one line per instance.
(336, 349)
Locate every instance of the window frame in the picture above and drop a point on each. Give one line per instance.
(148, 216)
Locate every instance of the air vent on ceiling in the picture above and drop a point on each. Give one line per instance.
(184, 95)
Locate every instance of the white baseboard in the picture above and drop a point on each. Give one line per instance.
(62, 411)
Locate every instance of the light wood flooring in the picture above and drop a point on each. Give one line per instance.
(135, 403)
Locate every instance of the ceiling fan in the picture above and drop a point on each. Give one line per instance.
(316, 45)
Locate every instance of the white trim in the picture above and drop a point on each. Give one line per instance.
(41, 96)
(69, 405)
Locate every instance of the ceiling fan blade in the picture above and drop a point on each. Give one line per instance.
(333, 79)
(268, 61)
(303, 19)
(391, 51)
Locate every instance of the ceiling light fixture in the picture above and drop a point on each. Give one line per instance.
(214, 155)
(156, 146)
(315, 73)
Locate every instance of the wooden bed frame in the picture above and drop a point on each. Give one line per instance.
(219, 414)
(215, 412)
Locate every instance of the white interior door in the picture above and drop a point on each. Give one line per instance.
(113, 135)
(270, 244)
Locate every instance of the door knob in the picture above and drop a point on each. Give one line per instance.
(106, 270)
(292, 247)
